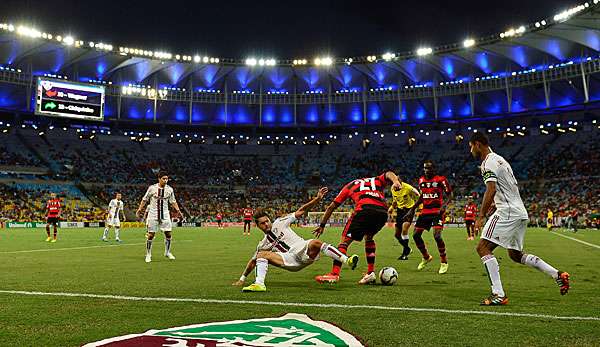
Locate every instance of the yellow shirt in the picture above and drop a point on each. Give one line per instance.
(550, 214)
(406, 196)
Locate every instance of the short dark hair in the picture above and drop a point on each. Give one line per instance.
(428, 162)
(259, 214)
(161, 174)
(479, 137)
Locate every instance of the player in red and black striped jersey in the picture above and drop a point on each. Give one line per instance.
(433, 189)
(219, 218)
(247, 213)
(52, 216)
(370, 215)
(470, 216)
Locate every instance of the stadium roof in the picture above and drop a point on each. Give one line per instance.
(566, 36)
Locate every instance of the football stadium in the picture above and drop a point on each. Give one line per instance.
(442, 195)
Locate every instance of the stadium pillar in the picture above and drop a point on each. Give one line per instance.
(364, 102)
(191, 105)
(546, 89)
(295, 100)
(155, 99)
(329, 102)
(399, 102)
(471, 99)
(584, 79)
(29, 91)
(225, 101)
(435, 102)
(260, 102)
(508, 95)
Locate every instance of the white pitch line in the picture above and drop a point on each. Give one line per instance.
(576, 240)
(301, 304)
(76, 248)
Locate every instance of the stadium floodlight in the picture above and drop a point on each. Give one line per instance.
(196, 59)
(29, 32)
(423, 51)
(469, 43)
(388, 56)
(69, 40)
(205, 60)
(251, 61)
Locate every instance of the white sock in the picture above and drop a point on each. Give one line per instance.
(167, 246)
(405, 237)
(536, 262)
(105, 235)
(262, 265)
(333, 253)
(148, 247)
(493, 269)
(117, 233)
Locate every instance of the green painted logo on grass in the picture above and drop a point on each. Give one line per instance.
(290, 330)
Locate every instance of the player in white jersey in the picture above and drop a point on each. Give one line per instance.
(283, 248)
(506, 226)
(158, 197)
(115, 208)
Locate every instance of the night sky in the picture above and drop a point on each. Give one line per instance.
(279, 29)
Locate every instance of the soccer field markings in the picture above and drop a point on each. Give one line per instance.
(78, 248)
(576, 240)
(300, 304)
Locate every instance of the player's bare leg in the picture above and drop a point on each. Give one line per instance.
(370, 248)
(437, 235)
(168, 245)
(485, 250)
(55, 233)
(418, 238)
(561, 278)
(334, 275)
(263, 259)
(48, 239)
(149, 239)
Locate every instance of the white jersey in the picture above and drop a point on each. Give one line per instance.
(281, 238)
(158, 200)
(114, 208)
(507, 199)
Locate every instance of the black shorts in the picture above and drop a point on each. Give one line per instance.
(402, 215)
(429, 220)
(247, 222)
(52, 220)
(367, 221)
(219, 221)
(468, 223)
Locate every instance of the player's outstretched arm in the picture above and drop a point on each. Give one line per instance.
(488, 199)
(396, 181)
(332, 207)
(312, 203)
(249, 267)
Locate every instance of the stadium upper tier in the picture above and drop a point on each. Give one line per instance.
(549, 64)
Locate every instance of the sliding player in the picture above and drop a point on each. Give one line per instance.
(52, 216)
(283, 248)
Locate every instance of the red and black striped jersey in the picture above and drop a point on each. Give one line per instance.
(219, 216)
(365, 192)
(53, 207)
(247, 214)
(432, 193)
(470, 211)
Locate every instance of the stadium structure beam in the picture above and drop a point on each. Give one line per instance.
(191, 102)
(584, 80)
(546, 89)
(579, 36)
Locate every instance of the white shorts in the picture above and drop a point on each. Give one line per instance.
(297, 257)
(153, 226)
(113, 222)
(508, 233)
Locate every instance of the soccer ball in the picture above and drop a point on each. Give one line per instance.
(388, 276)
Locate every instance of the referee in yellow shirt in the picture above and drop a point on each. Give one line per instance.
(403, 200)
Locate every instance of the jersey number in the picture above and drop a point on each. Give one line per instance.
(369, 181)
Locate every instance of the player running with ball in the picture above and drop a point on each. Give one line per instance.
(283, 248)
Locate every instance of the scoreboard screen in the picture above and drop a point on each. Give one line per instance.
(69, 99)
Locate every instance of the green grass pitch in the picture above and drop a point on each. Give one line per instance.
(209, 260)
